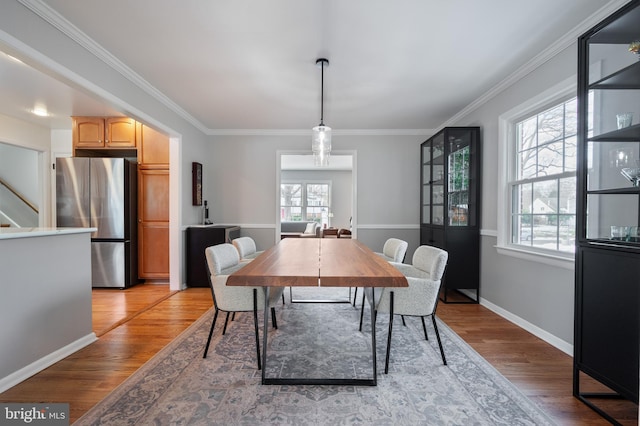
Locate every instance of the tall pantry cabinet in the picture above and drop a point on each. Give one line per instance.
(153, 204)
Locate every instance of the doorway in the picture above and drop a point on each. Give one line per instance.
(297, 168)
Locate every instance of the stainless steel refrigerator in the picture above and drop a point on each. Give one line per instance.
(102, 193)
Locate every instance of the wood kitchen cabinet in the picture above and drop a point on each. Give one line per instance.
(153, 224)
(103, 132)
(153, 210)
(153, 147)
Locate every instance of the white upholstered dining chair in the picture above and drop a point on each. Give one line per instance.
(246, 247)
(247, 250)
(420, 299)
(222, 260)
(393, 250)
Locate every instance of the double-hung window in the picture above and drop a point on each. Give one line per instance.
(305, 201)
(542, 182)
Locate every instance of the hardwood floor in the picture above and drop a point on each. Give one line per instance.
(136, 323)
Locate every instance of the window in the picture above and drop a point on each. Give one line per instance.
(291, 202)
(305, 201)
(543, 182)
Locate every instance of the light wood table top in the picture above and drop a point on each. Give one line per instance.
(318, 262)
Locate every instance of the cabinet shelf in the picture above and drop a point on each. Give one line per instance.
(613, 191)
(628, 134)
(615, 245)
(622, 30)
(626, 78)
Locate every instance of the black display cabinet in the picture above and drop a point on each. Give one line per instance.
(607, 297)
(198, 239)
(450, 206)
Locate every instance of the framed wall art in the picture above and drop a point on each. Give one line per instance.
(196, 171)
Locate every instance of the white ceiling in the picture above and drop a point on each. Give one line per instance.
(248, 64)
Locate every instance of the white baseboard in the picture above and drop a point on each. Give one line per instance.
(35, 367)
(531, 328)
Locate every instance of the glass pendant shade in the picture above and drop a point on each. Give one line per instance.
(321, 144)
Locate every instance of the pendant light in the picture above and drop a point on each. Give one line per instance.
(321, 134)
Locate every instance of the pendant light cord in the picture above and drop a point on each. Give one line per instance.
(322, 94)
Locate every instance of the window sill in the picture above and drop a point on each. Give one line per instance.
(557, 260)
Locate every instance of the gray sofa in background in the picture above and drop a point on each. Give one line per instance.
(296, 230)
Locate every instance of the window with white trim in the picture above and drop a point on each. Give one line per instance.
(542, 184)
(305, 201)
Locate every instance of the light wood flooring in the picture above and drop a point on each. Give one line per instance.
(136, 323)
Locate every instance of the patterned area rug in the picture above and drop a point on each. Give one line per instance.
(178, 386)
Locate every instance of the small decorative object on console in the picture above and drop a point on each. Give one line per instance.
(634, 47)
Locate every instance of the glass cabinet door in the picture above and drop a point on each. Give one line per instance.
(458, 164)
(611, 96)
(425, 212)
(437, 180)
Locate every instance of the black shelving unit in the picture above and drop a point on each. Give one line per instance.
(450, 207)
(607, 277)
(198, 239)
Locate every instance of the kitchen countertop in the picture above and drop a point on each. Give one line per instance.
(12, 233)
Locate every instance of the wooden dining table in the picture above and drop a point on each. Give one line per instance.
(318, 262)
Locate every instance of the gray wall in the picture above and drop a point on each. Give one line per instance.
(537, 295)
(241, 185)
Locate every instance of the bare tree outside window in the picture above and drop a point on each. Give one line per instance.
(305, 202)
(544, 186)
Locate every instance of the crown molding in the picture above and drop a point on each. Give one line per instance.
(558, 46)
(307, 132)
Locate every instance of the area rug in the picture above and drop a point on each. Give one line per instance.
(179, 387)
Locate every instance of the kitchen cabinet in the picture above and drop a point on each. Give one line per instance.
(450, 205)
(153, 147)
(103, 132)
(607, 301)
(153, 193)
(153, 224)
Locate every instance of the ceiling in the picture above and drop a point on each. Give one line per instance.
(245, 65)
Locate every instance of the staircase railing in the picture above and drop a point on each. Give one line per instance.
(15, 208)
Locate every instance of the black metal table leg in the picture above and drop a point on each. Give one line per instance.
(317, 381)
(264, 338)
